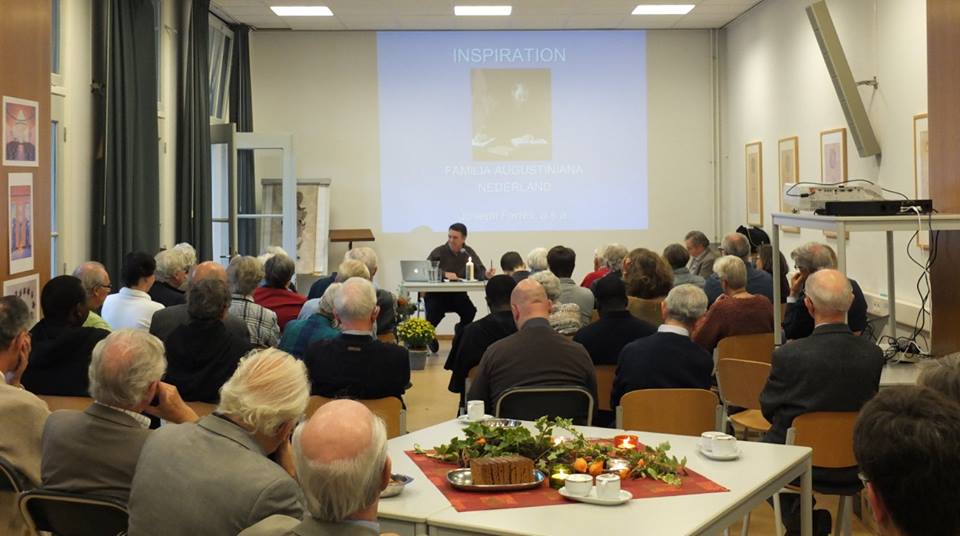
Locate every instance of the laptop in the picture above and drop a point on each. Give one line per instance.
(415, 271)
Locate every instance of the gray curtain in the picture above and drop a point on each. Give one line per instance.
(194, 198)
(127, 185)
(241, 113)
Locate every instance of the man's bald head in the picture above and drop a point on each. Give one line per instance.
(338, 430)
(529, 300)
(207, 270)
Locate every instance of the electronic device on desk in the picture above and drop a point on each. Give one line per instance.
(850, 200)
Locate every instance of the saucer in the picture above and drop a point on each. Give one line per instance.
(720, 457)
(465, 419)
(591, 498)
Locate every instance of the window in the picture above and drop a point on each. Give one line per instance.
(221, 57)
(158, 43)
(57, 143)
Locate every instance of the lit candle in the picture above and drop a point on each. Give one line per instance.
(616, 464)
(558, 475)
(557, 440)
(626, 442)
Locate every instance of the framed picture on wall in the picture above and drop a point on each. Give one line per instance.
(921, 167)
(27, 289)
(20, 198)
(20, 136)
(789, 170)
(833, 156)
(754, 172)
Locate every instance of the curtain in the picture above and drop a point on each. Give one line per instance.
(127, 182)
(241, 113)
(194, 204)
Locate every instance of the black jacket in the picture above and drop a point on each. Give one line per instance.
(797, 322)
(661, 361)
(60, 358)
(605, 338)
(357, 366)
(163, 293)
(201, 357)
(472, 341)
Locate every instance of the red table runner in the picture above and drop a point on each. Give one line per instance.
(468, 501)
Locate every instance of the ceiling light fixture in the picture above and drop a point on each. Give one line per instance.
(302, 11)
(663, 9)
(482, 11)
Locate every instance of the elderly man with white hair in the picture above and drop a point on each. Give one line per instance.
(218, 476)
(668, 359)
(319, 326)
(173, 265)
(611, 260)
(342, 462)
(808, 258)
(96, 450)
(244, 275)
(96, 283)
(386, 301)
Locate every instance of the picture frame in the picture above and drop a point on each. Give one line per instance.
(789, 169)
(21, 137)
(753, 162)
(21, 222)
(921, 167)
(833, 161)
(28, 289)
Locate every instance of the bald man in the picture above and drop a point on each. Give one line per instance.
(535, 355)
(342, 463)
(168, 319)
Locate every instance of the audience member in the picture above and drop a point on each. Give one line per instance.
(599, 270)
(356, 364)
(668, 359)
(616, 327)
(61, 345)
(534, 355)
(202, 353)
(608, 259)
(677, 257)
(511, 263)
(564, 317)
(561, 261)
(245, 274)
(758, 281)
(218, 476)
(342, 463)
(648, 278)
(173, 265)
(537, 260)
(319, 326)
(275, 294)
(386, 301)
(132, 307)
(765, 263)
(96, 450)
(96, 283)
(736, 311)
(701, 256)
(942, 375)
(168, 319)
(189, 253)
(905, 443)
(348, 268)
(809, 258)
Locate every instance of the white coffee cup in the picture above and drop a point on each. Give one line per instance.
(475, 410)
(579, 484)
(725, 445)
(608, 486)
(706, 440)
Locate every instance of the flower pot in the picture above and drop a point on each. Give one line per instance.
(418, 359)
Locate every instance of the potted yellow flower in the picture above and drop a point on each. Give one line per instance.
(416, 333)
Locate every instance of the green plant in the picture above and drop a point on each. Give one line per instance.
(415, 333)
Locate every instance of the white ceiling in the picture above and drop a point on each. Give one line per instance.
(438, 15)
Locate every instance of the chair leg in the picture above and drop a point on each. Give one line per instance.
(777, 518)
(745, 529)
(843, 516)
(726, 531)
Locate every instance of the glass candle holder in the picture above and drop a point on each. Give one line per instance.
(617, 464)
(626, 442)
(558, 475)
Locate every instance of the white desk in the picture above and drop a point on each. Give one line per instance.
(899, 374)
(762, 470)
(452, 286)
(843, 224)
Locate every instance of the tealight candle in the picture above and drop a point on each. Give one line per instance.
(558, 475)
(557, 440)
(617, 464)
(627, 442)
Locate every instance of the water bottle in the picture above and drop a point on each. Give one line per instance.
(469, 268)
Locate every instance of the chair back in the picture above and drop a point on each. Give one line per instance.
(73, 514)
(669, 411)
(531, 403)
(605, 374)
(202, 409)
(78, 403)
(12, 478)
(741, 382)
(387, 337)
(756, 347)
(829, 434)
(390, 409)
(471, 375)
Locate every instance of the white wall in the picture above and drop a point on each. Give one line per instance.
(322, 87)
(775, 85)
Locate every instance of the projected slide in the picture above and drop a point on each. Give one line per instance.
(513, 131)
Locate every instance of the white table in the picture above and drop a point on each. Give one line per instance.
(762, 470)
(450, 286)
(899, 374)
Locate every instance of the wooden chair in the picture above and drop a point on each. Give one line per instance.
(756, 347)
(78, 403)
(605, 374)
(387, 337)
(73, 514)
(202, 409)
(471, 375)
(669, 411)
(390, 409)
(741, 383)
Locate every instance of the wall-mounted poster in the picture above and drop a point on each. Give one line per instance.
(833, 156)
(20, 196)
(921, 167)
(789, 171)
(754, 168)
(27, 289)
(20, 135)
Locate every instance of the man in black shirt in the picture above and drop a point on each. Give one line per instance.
(605, 338)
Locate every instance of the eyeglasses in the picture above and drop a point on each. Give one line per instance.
(107, 286)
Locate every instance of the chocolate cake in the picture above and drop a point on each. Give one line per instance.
(501, 470)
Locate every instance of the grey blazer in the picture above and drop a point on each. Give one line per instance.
(288, 526)
(168, 319)
(208, 478)
(91, 451)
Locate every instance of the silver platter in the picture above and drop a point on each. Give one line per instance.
(502, 423)
(396, 485)
(462, 479)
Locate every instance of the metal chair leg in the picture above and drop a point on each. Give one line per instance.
(777, 518)
(745, 529)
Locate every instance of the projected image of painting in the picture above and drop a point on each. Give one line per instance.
(754, 165)
(511, 114)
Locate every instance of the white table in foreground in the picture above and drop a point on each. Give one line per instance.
(449, 286)
(761, 470)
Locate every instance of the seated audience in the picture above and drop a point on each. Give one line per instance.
(564, 318)
(470, 344)
(537, 260)
(132, 307)
(275, 294)
(809, 258)
(202, 354)
(561, 261)
(356, 364)
(319, 326)
(96, 283)
(942, 375)
(668, 359)
(343, 465)
(736, 311)
(189, 253)
(173, 265)
(168, 319)
(96, 450)
(22, 414)
(599, 270)
(511, 263)
(701, 256)
(648, 278)
(218, 475)
(605, 338)
(61, 345)
(244, 275)
(534, 355)
(612, 256)
(765, 263)
(905, 443)
(758, 281)
(347, 269)
(386, 301)
(677, 257)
